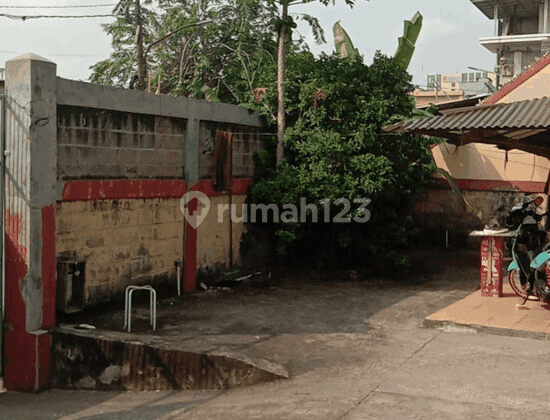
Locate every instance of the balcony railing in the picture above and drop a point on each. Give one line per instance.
(493, 43)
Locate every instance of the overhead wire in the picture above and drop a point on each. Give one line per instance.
(57, 7)
(24, 17)
(58, 55)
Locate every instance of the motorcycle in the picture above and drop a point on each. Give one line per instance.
(529, 271)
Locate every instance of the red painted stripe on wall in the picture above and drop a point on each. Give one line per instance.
(498, 185)
(19, 360)
(238, 187)
(122, 189)
(190, 263)
(19, 346)
(16, 269)
(48, 266)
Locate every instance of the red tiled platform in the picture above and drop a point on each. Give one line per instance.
(503, 316)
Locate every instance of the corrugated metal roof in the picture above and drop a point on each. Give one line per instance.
(461, 103)
(530, 114)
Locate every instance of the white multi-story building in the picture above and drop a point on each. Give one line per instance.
(521, 33)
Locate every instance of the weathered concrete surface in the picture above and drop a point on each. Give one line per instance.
(30, 167)
(105, 144)
(460, 376)
(442, 209)
(92, 360)
(124, 242)
(30, 162)
(392, 370)
(192, 151)
(70, 92)
(213, 239)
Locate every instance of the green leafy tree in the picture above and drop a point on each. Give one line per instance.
(199, 48)
(334, 149)
(284, 27)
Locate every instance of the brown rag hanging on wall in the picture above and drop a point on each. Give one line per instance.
(223, 160)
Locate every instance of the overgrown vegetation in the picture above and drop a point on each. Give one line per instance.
(334, 150)
(215, 51)
(334, 109)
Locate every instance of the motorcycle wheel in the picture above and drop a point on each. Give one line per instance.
(517, 287)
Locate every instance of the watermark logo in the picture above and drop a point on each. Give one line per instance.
(203, 207)
(297, 214)
(290, 214)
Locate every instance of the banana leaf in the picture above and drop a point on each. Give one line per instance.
(342, 42)
(406, 43)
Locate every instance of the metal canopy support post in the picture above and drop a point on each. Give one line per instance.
(497, 18)
(2, 229)
(545, 17)
(541, 18)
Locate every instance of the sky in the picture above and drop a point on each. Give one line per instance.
(448, 41)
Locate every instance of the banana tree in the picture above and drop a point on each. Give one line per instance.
(405, 48)
(284, 27)
(342, 42)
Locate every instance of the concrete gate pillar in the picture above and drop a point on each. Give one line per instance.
(31, 172)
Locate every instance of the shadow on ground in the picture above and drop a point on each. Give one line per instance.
(297, 302)
(308, 322)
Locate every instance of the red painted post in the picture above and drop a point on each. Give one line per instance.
(190, 264)
(48, 266)
(491, 266)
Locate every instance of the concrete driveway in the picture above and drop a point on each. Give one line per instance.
(353, 349)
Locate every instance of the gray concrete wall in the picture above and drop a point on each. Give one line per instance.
(441, 210)
(106, 144)
(74, 93)
(111, 133)
(246, 141)
(106, 133)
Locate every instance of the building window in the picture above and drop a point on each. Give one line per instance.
(431, 79)
(472, 77)
(464, 77)
(453, 84)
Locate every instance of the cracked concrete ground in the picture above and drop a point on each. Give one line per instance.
(354, 350)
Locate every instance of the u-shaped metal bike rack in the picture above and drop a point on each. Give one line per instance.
(128, 305)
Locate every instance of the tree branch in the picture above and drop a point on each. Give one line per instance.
(152, 44)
